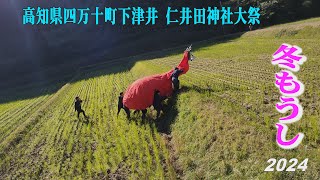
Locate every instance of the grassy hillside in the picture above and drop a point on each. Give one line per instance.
(221, 125)
(226, 116)
(60, 145)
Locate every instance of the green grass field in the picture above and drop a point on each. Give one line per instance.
(221, 125)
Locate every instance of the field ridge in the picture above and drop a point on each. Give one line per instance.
(220, 126)
(15, 137)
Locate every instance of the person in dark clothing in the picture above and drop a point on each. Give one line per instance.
(175, 79)
(144, 112)
(250, 27)
(127, 111)
(122, 106)
(136, 112)
(120, 103)
(157, 102)
(190, 55)
(77, 107)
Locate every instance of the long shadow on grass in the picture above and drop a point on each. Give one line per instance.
(170, 110)
(57, 79)
(166, 118)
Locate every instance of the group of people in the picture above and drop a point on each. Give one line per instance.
(157, 98)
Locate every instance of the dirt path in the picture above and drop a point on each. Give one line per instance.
(173, 156)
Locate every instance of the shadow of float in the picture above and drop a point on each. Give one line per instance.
(170, 111)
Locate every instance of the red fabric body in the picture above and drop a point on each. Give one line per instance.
(139, 94)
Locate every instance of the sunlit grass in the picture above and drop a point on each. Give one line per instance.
(222, 122)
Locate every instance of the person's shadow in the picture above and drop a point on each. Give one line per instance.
(170, 109)
(169, 113)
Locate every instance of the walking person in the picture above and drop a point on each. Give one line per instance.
(77, 107)
(122, 106)
(157, 99)
(120, 103)
(175, 79)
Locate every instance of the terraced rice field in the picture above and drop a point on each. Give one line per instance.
(221, 124)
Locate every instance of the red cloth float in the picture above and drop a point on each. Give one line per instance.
(139, 94)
